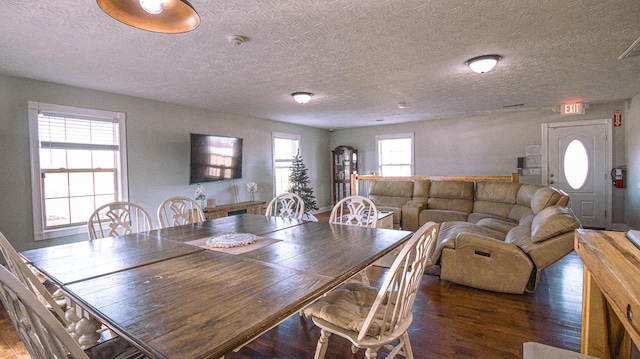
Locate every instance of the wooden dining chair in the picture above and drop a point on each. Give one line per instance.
(25, 275)
(286, 205)
(177, 211)
(373, 318)
(355, 211)
(118, 218)
(43, 334)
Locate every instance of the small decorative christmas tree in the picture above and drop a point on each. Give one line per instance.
(299, 184)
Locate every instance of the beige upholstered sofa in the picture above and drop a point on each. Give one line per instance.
(392, 196)
(493, 235)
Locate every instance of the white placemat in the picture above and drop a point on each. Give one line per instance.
(230, 240)
(259, 243)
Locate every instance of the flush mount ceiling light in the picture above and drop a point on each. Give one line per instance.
(165, 16)
(482, 64)
(302, 97)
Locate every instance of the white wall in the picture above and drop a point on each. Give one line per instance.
(632, 124)
(481, 145)
(158, 151)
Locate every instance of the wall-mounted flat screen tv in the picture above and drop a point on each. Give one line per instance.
(215, 158)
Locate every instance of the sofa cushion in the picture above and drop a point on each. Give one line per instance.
(497, 224)
(526, 193)
(441, 215)
(494, 191)
(520, 236)
(391, 193)
(449, 232)
(495, 198)
(523, 201)
(553, 221)
(451, 195)
(421, 190)
(543, 198)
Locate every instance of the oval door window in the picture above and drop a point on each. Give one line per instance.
(576, 164)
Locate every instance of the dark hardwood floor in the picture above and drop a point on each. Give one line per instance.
(450, 321)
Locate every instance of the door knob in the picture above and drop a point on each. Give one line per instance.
(551, 182)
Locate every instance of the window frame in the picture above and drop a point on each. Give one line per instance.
(395, 136)
(37, 192)
(284, 136)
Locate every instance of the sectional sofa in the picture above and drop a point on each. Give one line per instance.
(494, 235)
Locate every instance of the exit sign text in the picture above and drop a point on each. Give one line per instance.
(572, 109)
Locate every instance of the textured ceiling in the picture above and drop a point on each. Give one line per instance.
(360, 57)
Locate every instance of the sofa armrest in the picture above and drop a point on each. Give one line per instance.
(486, 263)
(410, 215)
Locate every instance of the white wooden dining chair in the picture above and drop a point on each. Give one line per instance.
(25, 275)
(56, 301)
(373, 318)
(177, 211)
(286, 205)
(118, 218)
(43, 334)
(355, 211)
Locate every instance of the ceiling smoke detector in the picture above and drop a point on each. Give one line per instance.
(236, 39)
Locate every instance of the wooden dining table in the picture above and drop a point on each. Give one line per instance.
(173, 296)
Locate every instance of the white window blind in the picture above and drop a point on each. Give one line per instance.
(78, 155)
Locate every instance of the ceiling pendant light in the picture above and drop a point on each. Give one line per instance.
(302, 97)
(164, 16)
(152, 6)
(482, 64)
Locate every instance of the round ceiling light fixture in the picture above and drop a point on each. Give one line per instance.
(164, 16)
(302, 97)
(484, 63)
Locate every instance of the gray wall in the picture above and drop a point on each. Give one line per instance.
(157, 135)
(487, 144)
(158, 151)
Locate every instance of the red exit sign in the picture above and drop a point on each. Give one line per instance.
(572, 109)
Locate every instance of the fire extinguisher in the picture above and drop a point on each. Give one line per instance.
(617, 175)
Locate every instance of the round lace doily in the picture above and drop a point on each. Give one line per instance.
(229, 240)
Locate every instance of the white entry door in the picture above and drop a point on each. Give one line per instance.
(577, 160)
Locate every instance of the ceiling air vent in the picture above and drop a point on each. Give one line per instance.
(633, 50)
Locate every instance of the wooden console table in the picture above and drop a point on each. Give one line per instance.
(254, 207)
(611, 293)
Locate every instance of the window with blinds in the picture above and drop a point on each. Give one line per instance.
(80, 165)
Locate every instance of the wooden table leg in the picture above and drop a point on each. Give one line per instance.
(603, 335)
